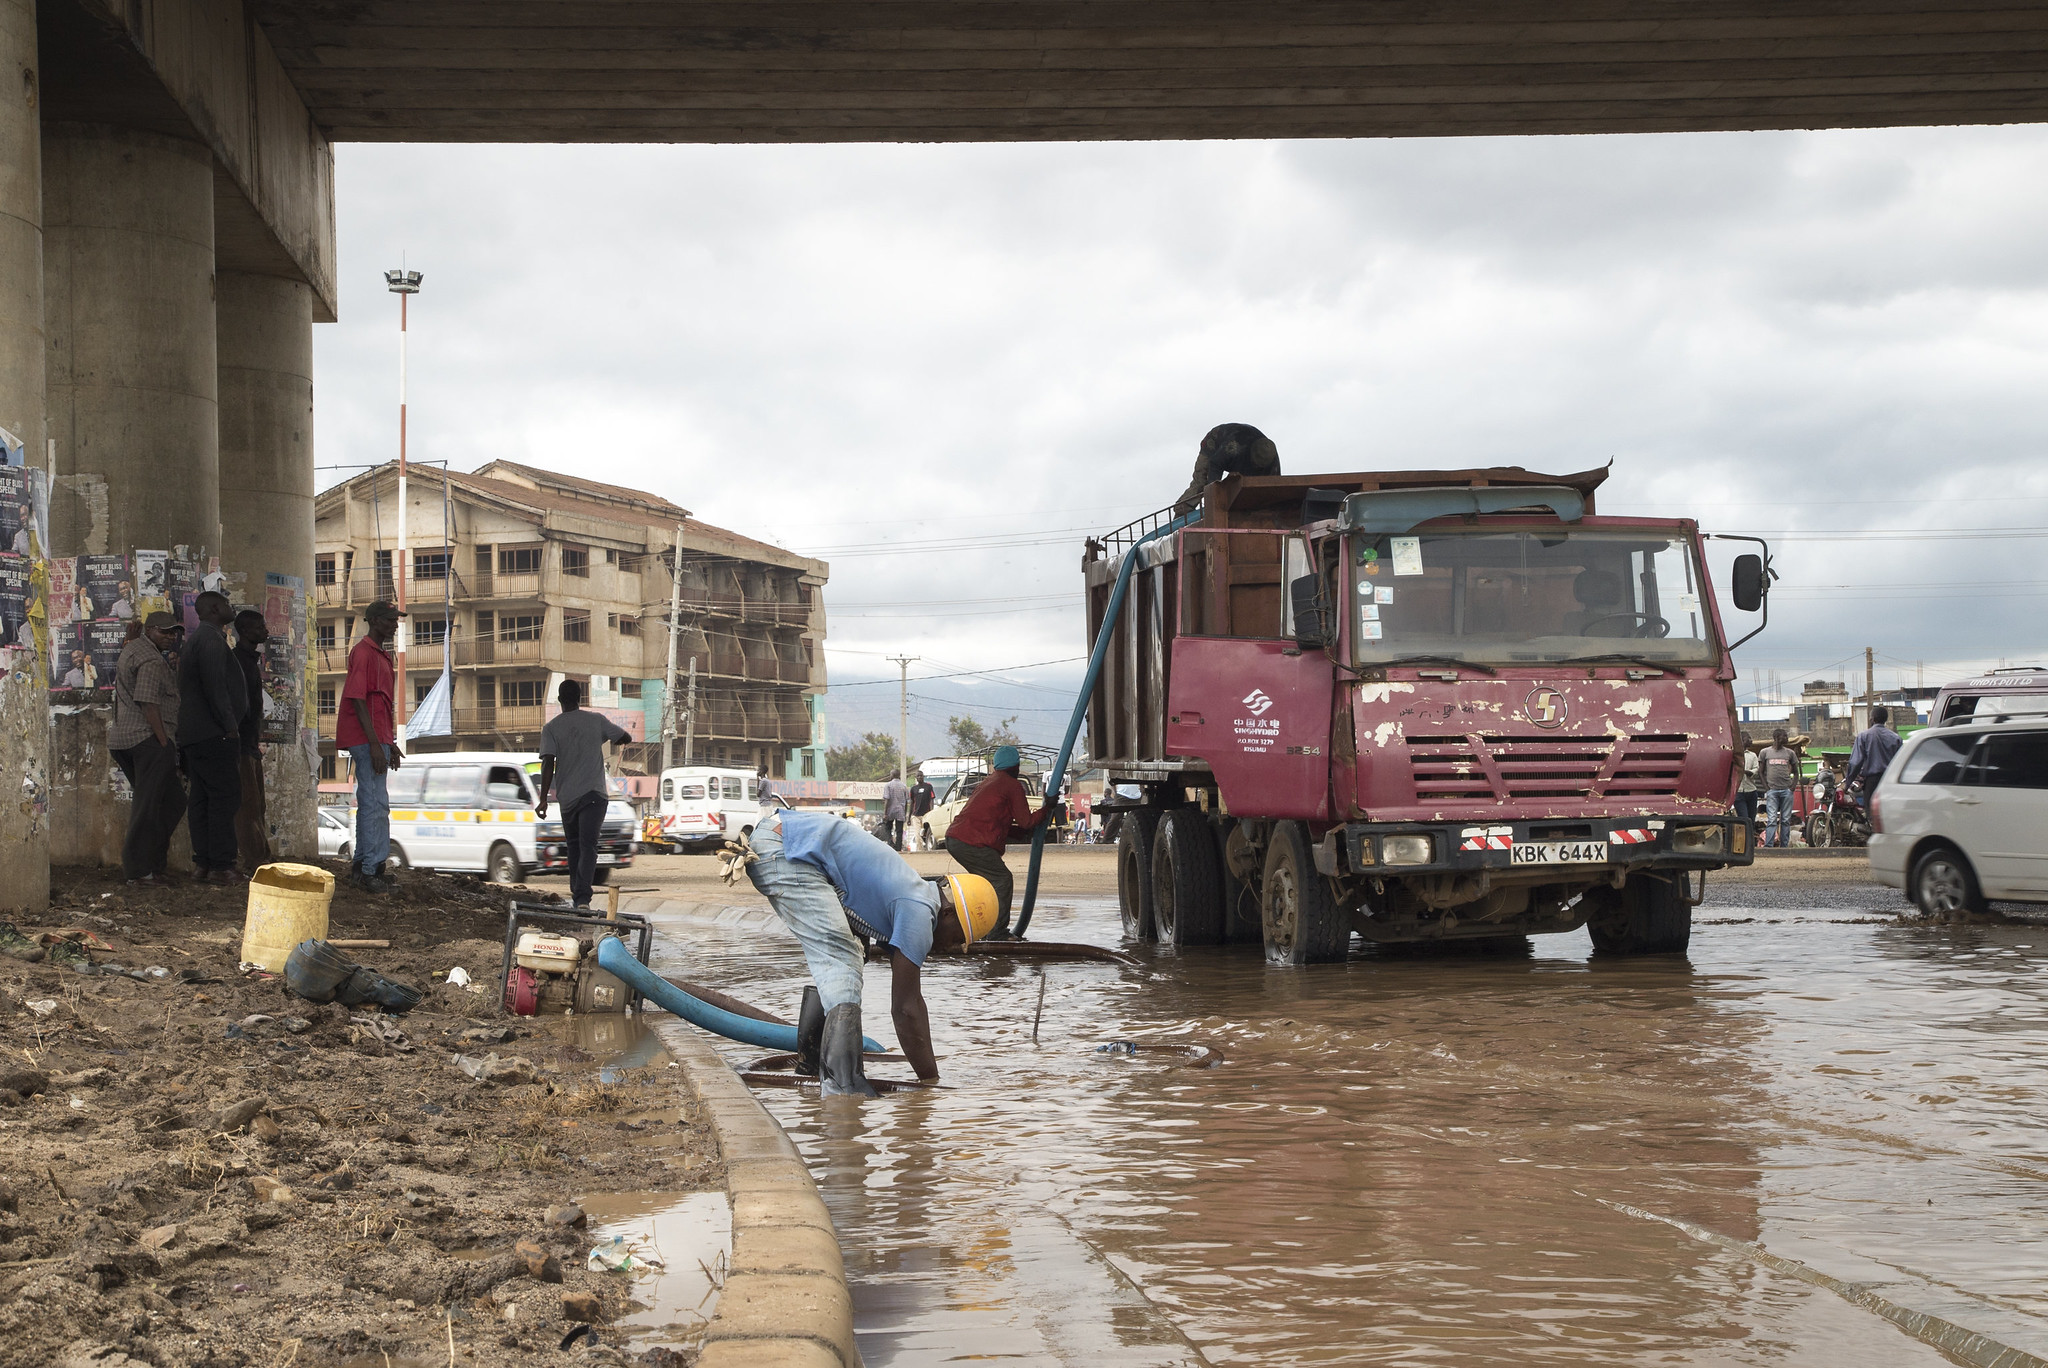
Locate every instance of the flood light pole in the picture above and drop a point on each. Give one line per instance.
(404, 284)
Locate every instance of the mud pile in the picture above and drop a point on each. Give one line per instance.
(200, 1169)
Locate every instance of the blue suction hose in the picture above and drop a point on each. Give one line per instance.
(615, 959)
(1103, 635)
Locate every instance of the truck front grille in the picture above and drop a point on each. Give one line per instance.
(1482, 768)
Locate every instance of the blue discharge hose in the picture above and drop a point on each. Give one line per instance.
(1103, 636)
(615, 959)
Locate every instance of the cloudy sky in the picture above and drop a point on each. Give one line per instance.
(940, 367)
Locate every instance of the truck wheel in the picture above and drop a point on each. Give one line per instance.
(1301, 920)
(1651, 917)
(1187, 903)
(1943, 883)
(1818, 830)
(503, 865)
(1134, 872)
(601, 875)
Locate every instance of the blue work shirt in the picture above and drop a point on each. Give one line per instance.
(1872, 754)
(884, 895)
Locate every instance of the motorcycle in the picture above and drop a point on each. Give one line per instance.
(1842, 821)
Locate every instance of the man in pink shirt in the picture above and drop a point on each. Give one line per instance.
(367, 729)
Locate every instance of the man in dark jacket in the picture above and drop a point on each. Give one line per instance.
(922, 800)
(998, 813)
(212, 697)
(1231, 449)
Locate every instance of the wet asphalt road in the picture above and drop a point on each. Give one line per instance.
(1449, 1158)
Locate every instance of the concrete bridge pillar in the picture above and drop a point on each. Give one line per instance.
(133, 383)
(24, 696)
(265, 329)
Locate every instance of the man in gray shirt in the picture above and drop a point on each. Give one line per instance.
(895, 809)
(572, 762)
(1780, 765)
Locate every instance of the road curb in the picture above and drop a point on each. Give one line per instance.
(1811, 853)
(785, 1300)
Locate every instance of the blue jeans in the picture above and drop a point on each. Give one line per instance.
(373, 813)
(809, 906)
(1778, 817)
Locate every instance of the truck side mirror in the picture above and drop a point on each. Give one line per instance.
(1305, 597)
(1747, 586)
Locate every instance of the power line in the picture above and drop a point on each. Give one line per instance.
(963, 674)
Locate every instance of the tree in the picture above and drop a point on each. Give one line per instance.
(969, 737)
(873, 757)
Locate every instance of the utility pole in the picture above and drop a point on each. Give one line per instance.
(404, 284)
(668, 679)
(1869, 675)
(690, 717)
(903, 720)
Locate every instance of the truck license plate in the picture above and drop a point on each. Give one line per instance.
(613, 859)
(1558, 852)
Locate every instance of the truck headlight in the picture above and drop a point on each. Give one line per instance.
(1698, 840)
(548, 831)
(1407, 850)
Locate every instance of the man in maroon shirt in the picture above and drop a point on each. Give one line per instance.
(998, 813)
(366, 727)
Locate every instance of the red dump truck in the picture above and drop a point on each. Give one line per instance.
(1415, 706)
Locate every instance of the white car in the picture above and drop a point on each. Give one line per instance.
(336, 830)
(953, 801)
(1961, 815)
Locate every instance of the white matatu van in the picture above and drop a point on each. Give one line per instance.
(472, 812)
(702, 805)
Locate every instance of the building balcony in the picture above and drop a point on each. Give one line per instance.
(486, 585)
(360, 588)
(767, 612)
(498, 721)
(499, 652)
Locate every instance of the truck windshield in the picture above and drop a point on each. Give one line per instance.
(1509, 596)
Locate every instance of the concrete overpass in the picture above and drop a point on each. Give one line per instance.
(167, 191)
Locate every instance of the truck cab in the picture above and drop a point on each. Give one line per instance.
(1419, 706)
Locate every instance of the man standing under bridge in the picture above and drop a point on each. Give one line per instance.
(833, 884)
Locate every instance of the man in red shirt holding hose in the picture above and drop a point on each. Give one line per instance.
(998, 813)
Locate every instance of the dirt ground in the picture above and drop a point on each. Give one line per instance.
(201, 1169)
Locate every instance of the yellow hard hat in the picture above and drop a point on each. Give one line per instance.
(975, 903)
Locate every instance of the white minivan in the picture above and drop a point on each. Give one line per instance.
(701, 805)
(472, 812)
(1961, 815)
(466, 811)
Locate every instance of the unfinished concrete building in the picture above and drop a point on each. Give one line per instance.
(516, 577)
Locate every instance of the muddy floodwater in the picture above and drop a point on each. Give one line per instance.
(1424, 1159)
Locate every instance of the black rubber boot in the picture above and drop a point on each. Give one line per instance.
(810, 1033)
(842, 1062)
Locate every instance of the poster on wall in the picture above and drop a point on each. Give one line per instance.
(63, 594)
(284, 656)
(104, 640)
(101, 589)
(181, 579)
(14, 592)
(24, 517)
(152, 582)
(71, 664)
